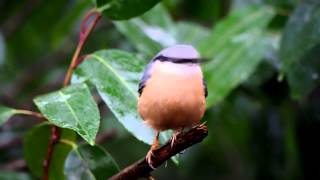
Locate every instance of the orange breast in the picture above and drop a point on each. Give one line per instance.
(173, 99)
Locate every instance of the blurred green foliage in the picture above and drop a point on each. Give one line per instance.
(263, 82)
(35, 155)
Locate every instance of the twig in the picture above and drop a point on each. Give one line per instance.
(142, 169)
(30, 113)
(84, 33)
(54, 139)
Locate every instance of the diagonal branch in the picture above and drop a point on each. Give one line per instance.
(142, 169)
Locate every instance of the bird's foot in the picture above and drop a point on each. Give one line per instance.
(175, 136)
(200, 125)
(150, 155)
(173, 140)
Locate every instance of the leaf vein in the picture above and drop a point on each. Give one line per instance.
(99, 59)
(71, 110)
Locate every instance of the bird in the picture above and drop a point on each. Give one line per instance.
(172, 92)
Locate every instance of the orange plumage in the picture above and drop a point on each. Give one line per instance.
(172, 92)
(173, 99)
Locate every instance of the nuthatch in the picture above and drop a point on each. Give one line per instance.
(172, 91)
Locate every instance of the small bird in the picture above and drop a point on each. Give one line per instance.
(172, 92)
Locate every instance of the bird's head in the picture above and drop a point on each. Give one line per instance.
(178, 54)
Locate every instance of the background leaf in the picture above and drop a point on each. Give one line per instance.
(90, 163)
(65, 25)
(190, 33)
(124, 9)
(116, 75)
(5, 114)
(28, 41)
(72, 107)
(35, 150)
(160, 31)
(300, 47)
(237, 44)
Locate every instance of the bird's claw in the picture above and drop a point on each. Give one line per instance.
(175, 138)
(200, 125)
(149, 156)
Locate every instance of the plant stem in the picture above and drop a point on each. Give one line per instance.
(84, 33)
(68, 142)
(31, 113)
(54, 138)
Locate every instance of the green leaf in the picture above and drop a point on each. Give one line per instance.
(190, 33)
(5, 114)
(116, 75)
(300, 47)
(237, 44)
(134, 32)
(157, 32)
(6, 175)
(72, 107)
(124, 9)
(90, 163)
(36, 146)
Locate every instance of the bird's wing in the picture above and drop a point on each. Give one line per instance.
(205, 88)
(146, 75)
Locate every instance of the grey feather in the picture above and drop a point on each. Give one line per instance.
(146, 75)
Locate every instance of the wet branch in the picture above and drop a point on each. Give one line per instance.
(142, 169)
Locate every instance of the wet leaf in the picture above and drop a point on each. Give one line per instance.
(157, 32)
(72, 107)
(237, 44)
(116, 75)
(90, 163)
(300, 48)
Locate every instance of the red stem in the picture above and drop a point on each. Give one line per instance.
(55, 135)
(84, 33)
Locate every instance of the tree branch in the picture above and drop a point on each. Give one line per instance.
(142, 169)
